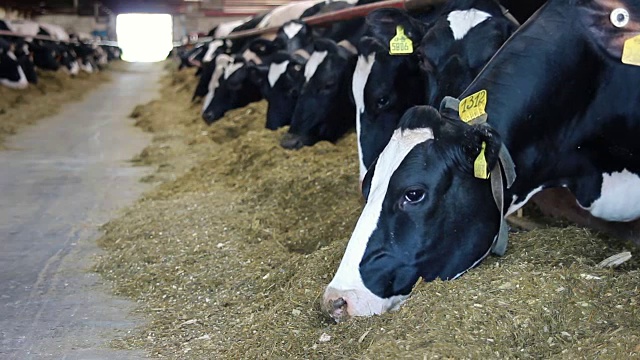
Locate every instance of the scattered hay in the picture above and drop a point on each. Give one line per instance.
(229, 256)
(24, 107)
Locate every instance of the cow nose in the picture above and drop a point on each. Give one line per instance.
(336, 309)
(291, 142)
(209, 117)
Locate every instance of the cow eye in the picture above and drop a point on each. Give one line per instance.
(413, 196)
(619, 17)
(382, 102)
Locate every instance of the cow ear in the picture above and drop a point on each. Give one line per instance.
(611, 23)
(368, 45)
(472, 146)
(263, 47)
(383, 22)
(324, 44)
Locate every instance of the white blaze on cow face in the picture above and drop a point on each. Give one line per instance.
(213, 46)
(221, 62)
(347, 283)
(461, 21)
(360, 76)
(619, 197)
(312, 64)
(275, 71)
(292, 29)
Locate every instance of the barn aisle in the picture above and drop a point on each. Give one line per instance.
(59, 181)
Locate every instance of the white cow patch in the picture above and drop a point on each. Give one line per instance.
(75, 68)
(221, 62)
(22, 82)
(347, 283)
(292, 29)
(213, 46)
(360, 76)
(515, 204)
(461, 21)
(619, 197)
(275, 71)
(312, 64)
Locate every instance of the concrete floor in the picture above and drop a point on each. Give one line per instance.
(60, 181)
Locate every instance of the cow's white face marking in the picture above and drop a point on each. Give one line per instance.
(75, 68)
(12, 55)
(360, 76)
(22, 82)
(221, 63)
(515, 204)
(275, 71)
(347, 283)
(213, 46)
(619, 197)
(312, 64)
(461, 21)
(292, 29)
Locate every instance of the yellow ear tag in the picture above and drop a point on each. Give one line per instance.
(480, 165)
(473, 106)
(400, 44)
(631, 51)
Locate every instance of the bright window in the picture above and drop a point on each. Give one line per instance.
(145, 37)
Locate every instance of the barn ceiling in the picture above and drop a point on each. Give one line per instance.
(89, 7)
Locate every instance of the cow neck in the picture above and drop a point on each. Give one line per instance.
(524, 88)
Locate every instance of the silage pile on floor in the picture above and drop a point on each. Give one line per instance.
(229, 255)
(24, 107)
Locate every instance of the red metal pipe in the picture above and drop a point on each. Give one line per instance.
(346, 14)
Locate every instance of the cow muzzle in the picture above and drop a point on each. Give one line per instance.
(341, 305)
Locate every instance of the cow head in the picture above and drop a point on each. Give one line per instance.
(384, 87)
(232, 87)
(421, 218)
(25, 59)
(280, 83)
(324, 110)
(45, 55)
(11, 74)
(234, 90)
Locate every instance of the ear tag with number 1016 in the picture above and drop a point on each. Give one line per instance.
(400, 44)
(480, 165)
(631, 51)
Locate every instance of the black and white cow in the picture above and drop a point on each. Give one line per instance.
(450, 51)
(11, 73)
(561, 98)
(279, 83)
(324, 110)
(290, 33)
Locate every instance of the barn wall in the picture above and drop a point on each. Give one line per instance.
(8, 14)
(85, 24)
